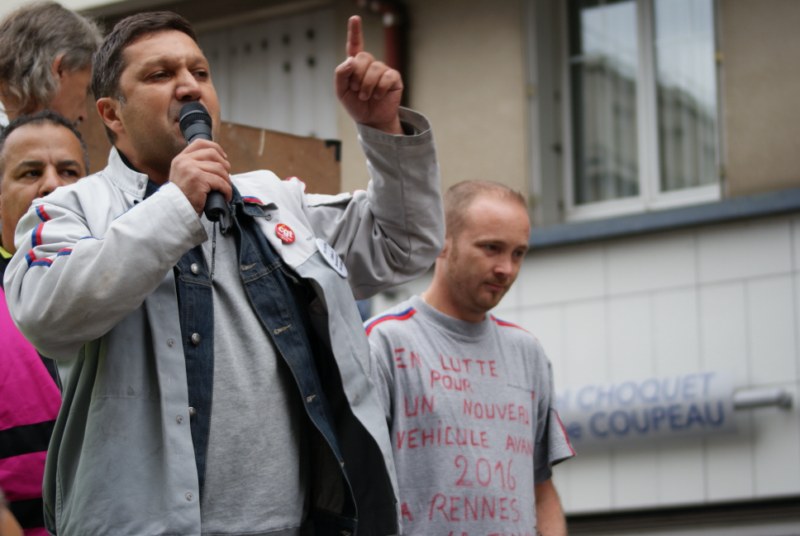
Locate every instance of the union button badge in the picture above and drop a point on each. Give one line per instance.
(285, 233)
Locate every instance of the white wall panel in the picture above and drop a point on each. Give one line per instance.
(575, 274)
(796, 294)
(585, 344)
(630, 338)
(676, 347)
(634, 475)
(728, 467)
(586, 360)
(744, 250)
(589, 481)
(681, 476)
(563, 482)
(776, 452)
(723, 329)
(676, 339)
(651, 262)
(547, 324)
(729, 464)
(771, 333)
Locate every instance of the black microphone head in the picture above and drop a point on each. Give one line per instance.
(195, 122)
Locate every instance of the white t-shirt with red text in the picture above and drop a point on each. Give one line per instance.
(471, 418)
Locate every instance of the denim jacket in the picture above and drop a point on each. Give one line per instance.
(93, 285)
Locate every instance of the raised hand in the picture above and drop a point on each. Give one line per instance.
(369, 89)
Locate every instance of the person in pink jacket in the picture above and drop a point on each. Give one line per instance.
(38, 153)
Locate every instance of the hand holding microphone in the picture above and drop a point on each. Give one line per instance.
(195, 123)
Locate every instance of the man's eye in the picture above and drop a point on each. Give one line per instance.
(201, 74)
(30, 174)
(71, 173)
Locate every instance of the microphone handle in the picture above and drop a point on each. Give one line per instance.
(215, 209)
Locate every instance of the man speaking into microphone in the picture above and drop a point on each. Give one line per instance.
(217, 370)
(196, 125)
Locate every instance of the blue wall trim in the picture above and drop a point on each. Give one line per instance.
(739, 208)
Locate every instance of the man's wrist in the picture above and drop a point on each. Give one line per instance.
(393, 127)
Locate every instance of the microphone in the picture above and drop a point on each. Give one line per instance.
(195, 124)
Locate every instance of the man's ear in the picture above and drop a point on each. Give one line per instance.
(446, 248)
(55, 67)
(108, 108)
(1, 213)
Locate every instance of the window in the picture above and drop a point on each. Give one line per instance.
(641, 106)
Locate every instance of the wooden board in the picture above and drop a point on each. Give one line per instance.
(314, 161)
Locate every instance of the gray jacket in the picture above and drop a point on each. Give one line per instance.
(92, 286)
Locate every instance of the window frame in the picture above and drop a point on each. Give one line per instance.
(650, 196)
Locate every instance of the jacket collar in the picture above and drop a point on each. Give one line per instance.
(124, 177)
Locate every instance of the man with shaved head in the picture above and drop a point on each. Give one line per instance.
(468, 396)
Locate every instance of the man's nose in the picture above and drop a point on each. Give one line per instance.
(188, 88)
(504, 266)
(50, 181)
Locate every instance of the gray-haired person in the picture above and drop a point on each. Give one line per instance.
(46, 60)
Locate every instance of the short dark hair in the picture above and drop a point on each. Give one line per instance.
(31, 38)
(460, 196)
(40, 118)
(109, 61)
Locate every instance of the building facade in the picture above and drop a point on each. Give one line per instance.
(658, 142)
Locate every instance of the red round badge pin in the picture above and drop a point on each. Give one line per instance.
(285, 233)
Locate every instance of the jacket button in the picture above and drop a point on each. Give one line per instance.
(170, 342)
(189, 496)
(192, 411)
(194, 268)
(195, 338)
(179, 419)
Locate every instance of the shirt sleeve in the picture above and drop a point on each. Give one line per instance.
(552, 442)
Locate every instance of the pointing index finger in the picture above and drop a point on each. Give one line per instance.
(355, 39)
